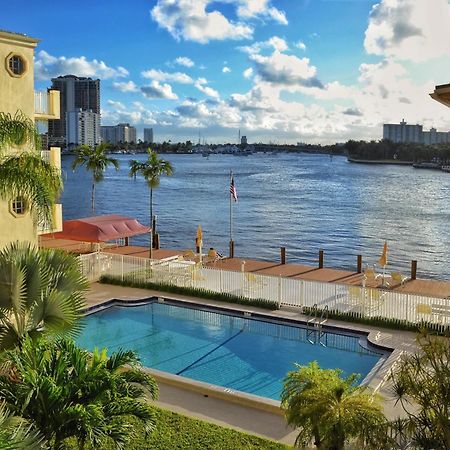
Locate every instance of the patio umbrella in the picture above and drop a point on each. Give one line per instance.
(383, 258)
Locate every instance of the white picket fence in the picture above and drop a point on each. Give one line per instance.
(353, 300)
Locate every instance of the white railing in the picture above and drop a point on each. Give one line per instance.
(41, 102)
(340, 298)
(45, 155)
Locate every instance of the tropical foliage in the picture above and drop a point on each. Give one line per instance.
(41, 291)
(16, 434)
(330, 410)
(96, 161)
(422, 387)
(68, 392)
(151, 170)
(24, 174)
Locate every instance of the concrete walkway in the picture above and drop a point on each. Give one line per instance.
(226, 413)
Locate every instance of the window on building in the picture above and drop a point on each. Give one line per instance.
(19, 206)
(16, 65)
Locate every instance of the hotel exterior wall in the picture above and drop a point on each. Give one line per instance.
(16, 94)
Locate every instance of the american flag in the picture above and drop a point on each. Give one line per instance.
(233, 191)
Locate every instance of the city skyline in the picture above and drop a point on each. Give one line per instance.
(279, 71)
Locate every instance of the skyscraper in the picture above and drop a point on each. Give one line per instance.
(123, 133)
(76, 93)
(148, 135)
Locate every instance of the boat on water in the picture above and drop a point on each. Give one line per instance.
(445, 168)
(427, 165)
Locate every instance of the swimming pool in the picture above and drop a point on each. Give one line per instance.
(225, 349)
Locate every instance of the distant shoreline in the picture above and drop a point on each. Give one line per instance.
(380, 161)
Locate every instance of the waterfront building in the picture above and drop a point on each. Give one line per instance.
(122, 133)
(148, 135)
(404, 133)
(17, 94)
(75, 93)
(244, 140)
(82, 128)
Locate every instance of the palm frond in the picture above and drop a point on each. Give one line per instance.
(18, 130)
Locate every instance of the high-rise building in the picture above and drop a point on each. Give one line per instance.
(123, 133)
(75, 93)
(17, 94)
(244, 140)
(403, 132)
(148, 135)
(82, 128)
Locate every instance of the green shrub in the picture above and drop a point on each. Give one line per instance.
(190, 291)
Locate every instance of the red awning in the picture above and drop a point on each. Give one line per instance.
(101, 229)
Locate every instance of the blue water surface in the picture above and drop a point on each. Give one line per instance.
(239, 353)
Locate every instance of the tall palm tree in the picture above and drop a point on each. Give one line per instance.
(151, 170)
(41, 291)
(331, 410)
(67, 392)
(16, 434)
(96, 161)
(23, 173)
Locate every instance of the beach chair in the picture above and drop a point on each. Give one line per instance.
(212, 256)
(398, 278)
(355, 294)
(189, 254)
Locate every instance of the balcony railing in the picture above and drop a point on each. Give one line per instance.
(46, 105)
(56, 225)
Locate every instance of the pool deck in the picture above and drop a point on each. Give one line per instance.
(261, 421)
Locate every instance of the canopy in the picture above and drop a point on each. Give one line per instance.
(101, 228)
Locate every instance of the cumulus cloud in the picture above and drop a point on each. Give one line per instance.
(415, 30)
(274, 42)
(190, 20)
(352, 112)
(125, 86)
(301, 45)
(279, 68)
(226, 69)
(201, 83)
(248, 9)
(157, 90)
(174, 77)
(47, 66)
(184, 61)
(248, 73)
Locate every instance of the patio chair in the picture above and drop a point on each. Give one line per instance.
(212, 256)
(397, 279)
(189, 254)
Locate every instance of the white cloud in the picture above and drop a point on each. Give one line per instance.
(226, 69)
(184, 61)
(279, 68)
(248, 73)
(189, 20)
(274, 42)
(116, 105)
(248, 9)
(415, 30)
(301, 45)
(175, 77)
(200, 84)
(47, 66)
(125, 86)
(157, 90)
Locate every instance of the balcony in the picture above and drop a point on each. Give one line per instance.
(52, 156)
(57, 224)
(46, 105)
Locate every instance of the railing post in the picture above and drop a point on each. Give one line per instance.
(121, 268)
(279, 292)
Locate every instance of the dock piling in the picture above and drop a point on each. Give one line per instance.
(231, 248)
(359, 263)
(283, 255)
(413, 269)
(321, 256)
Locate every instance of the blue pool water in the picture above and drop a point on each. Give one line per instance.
(240, 353)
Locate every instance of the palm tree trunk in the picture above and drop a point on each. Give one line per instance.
(151, 224)
(93, 198)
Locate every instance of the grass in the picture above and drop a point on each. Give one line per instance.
(175, 431)
(190, 291)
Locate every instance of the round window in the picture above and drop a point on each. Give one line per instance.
(19, 206)
(16, 65)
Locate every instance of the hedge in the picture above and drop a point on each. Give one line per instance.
(190, 291)
(175, 431)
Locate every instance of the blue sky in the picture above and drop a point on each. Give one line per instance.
(279, 70)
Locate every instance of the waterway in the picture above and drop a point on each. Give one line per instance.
(301, 201)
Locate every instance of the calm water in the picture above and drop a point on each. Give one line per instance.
(242, 354)
(303, 202)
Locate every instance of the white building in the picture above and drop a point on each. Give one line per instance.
(82, 128)
(436, 137)
(122, 133)
(403, 132)
(148, 135)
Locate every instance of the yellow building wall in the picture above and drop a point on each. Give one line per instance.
(16, 93)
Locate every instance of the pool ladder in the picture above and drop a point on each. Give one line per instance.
(314, 332)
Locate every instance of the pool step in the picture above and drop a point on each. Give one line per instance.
(316, 323)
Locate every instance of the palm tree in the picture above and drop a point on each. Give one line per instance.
(96, 161)
(15, 434)
(68, 392)
(23, 173)
(41, 291)
(331, 410)
(151, 170)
